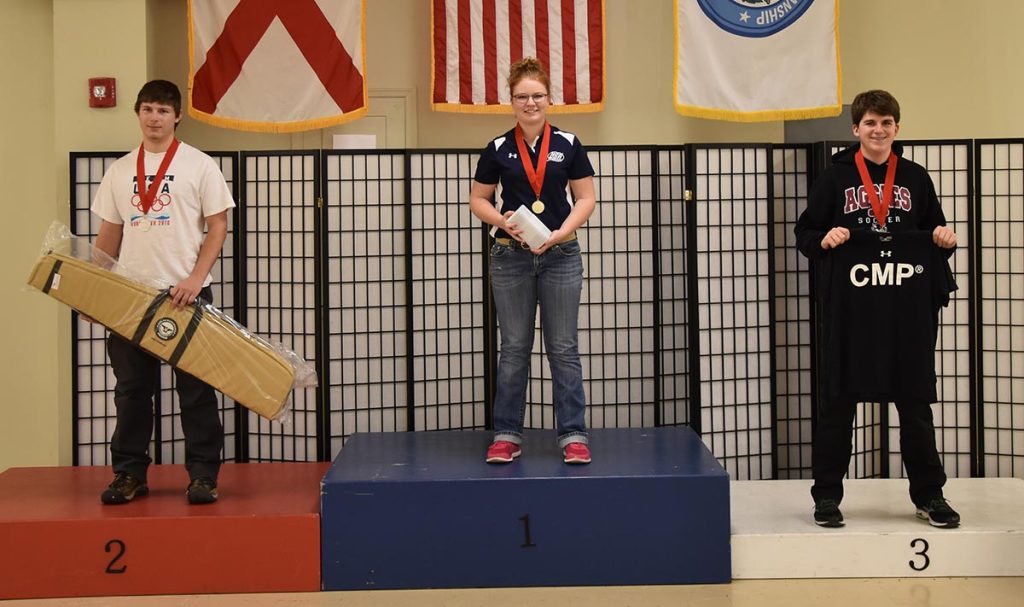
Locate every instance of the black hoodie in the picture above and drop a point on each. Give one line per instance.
(838, 200)
(871, 356)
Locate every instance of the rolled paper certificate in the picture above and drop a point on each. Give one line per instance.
(535, 233)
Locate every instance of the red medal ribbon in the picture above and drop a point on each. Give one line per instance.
(148, 195)
(536, 177)
(880, 207)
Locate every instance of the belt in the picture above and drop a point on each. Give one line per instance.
(508, 242)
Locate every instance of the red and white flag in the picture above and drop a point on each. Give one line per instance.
(476, 41)
(276, 65)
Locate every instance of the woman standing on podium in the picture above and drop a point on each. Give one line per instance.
(534, 162)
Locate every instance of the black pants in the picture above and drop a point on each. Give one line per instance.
(137, 373)
(833, 444)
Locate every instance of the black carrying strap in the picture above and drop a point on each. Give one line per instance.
(147, 318)
(53, 274)
(190, 331)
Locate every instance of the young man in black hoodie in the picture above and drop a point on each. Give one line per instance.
(883, 203)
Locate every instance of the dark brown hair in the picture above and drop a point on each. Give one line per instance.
(877, 101)
(160, 91)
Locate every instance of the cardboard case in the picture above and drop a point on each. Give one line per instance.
(198, 339)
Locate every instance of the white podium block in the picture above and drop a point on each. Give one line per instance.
(774, 535)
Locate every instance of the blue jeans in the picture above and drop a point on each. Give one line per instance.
(520, 280)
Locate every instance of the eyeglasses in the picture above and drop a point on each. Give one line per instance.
(522, 98)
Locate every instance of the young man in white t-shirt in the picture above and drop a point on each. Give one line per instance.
(156, 231)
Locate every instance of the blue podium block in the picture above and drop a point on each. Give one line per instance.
(423, 510)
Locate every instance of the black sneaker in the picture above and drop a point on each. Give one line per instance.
(124, 489)
(938, 514)
(827, 514)
(202, 491)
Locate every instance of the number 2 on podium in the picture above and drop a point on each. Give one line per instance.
(110, 547)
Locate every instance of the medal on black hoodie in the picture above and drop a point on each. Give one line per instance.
(880, 207)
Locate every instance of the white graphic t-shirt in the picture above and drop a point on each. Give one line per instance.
(161, 246)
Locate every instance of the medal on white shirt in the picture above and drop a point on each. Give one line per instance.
(148, 195)
(535, 176)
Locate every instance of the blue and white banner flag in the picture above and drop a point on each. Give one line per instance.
(757, 60)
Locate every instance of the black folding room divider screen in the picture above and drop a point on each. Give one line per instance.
(697, 309)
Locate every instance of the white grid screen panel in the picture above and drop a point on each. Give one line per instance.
(280, 252)
(366, 294)
(731, 209)
(673, 312)
(449, 292)
(793, 347)
(616, 322)
(1001, 210)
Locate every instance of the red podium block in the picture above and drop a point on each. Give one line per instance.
(58, 540)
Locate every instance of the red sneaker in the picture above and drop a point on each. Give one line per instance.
(502, 452)
(576, 453)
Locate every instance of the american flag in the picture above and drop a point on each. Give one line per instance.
(475, 42)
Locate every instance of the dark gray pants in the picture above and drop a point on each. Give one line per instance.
(137, 373)
(833, 444)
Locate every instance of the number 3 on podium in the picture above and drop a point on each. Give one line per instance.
(922, 553)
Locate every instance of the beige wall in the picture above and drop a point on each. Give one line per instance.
(29, 402)
(954, 66)
(951, 65)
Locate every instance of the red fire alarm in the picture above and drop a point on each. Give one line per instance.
(102, 92)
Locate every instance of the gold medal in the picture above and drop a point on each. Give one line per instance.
(535, 175)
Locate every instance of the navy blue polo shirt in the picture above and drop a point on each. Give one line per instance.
(566, 160)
